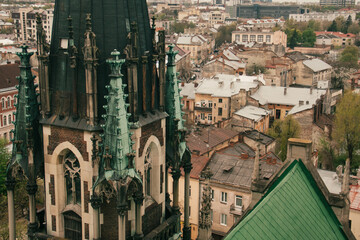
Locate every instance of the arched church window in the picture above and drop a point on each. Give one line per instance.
(3, 105)
(72, 179)
(147, 172)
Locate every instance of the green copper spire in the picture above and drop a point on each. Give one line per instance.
(117, 153)
(175, 129)
(27, 142)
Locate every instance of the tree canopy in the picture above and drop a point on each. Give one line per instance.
(349, 57)
(179, 27)
(282, 130)
(224, 34)
(309, 37)
(347, 128)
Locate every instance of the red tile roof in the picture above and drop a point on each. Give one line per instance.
(205, 139)
(355, 197)
(8, 74)
(198, 163)
(338, 34)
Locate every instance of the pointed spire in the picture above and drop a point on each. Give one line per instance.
(88, 22)
(27, 147)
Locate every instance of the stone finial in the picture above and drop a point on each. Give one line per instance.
(71, 28)
(88, 22)
(171, 55)
(207, 174)
(153, 22)
(346, 179)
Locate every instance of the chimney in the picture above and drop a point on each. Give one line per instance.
(299, 149)
(256, 173)
(285, 90)
(182, 84)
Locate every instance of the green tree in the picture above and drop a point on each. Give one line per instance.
(346, 130)
(179, 27)
(224, 34)
(294, 38)
(333, 27)
(4, 159)
(349, 57)
(354, 28)
(282, 131)
(309, 37)
(347, 24)
(255, 69)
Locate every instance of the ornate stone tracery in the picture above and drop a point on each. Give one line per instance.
(72, 178)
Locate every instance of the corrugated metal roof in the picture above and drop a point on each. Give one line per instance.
(234, 165)
(292, 208)
(292, 97)
(252, 112)
(188, 90)
(317, 65)
(223, 85)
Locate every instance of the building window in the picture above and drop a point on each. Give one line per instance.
(147, 171)
(210, 117)
(5, 136)
(189, 191)
(268, 38)
(238, 201)
(260, 38)
(72, 179)
(237, 38)
(212, 194)
(212, 215)
(220, 100)
(278, 113)
(223, 197)
(203, 104)
(9, 118)
(4, 121)
(8, 102)
(3, 106)
(210, 104)
(189, 211)
(245, 38)
(202, 116)
(223, 219)
(220, 111)
(252, 38)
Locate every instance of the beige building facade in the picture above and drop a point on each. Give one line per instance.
(267, 37)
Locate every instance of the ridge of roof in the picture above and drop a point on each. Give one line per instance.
(285, 196)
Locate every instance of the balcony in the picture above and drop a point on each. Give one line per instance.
(203, 109)
(236, 210)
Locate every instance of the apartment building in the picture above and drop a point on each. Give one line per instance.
(326, 16)
(25, 23)
(216, 99)
(262, 36)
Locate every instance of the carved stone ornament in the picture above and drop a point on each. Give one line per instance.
(107, 191)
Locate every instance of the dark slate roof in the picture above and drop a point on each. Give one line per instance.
(8, 74)
(254, 135)
(234, 166)
(293, 208)
(199, 139)
(111, 21)
(296, 56)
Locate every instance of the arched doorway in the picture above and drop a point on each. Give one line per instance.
(73, 226)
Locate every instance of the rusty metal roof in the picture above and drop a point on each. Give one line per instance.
(234, 166)
(204, 140)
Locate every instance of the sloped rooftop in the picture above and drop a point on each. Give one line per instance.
(223, 85)
(252, 112)
(234, 165)
(293, 208)
(317, 65)
(293, 96)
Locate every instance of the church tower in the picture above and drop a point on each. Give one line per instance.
(109, 126)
